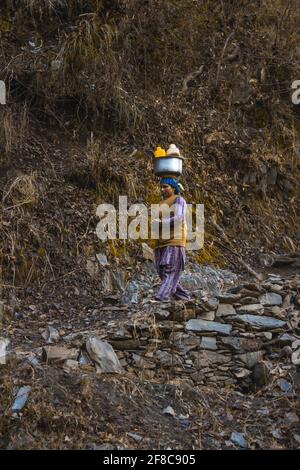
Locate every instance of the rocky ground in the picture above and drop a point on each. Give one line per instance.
(218, 372)
(86, 359)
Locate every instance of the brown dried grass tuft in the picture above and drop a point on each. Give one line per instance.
(22, 191)
(14, 129)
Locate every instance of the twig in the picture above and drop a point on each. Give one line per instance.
(28, 201)
(251, 271)
(222, 55)
(225, 237)
(50, 264)
(83, 236)
(10, 286)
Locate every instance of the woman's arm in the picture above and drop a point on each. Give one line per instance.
(179, 212)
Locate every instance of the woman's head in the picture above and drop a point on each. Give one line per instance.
(169, 186)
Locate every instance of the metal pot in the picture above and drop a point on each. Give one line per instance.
(165, 166)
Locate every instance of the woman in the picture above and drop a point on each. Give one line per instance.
(170, 252)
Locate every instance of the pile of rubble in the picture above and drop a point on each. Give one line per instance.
(227, 344)
(237, 339)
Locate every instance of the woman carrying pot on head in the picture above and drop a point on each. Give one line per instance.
(170, 250)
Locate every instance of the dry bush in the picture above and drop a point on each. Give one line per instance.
(143, 72)
(94, 71)
(14, 128)
(22, 191)
(8, 131)
(106, 62)
(43, 8)
(111, 65)
(107, 170)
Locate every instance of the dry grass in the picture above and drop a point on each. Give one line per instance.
(110, 63)
(9, 132)
(23, 190)
(126, 72)
(44, 8)
(94, 66)
(18, 232)
(14, 129)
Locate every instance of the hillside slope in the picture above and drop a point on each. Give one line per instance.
(93, 88)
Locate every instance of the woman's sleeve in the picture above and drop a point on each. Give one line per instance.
(179, 212)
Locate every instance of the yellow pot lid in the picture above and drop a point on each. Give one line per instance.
(159, 152)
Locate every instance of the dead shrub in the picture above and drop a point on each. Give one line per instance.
(14, 129)
(22, 191)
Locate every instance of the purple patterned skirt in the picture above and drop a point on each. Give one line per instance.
(169, 263)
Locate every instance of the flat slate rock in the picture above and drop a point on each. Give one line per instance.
(260, 321)
(225, 309)
(251, 308)
(59, 353)
(233, 342)
(239, 440)
(227, 298)
(212, 303)
(248, 300)
(208, 342)
(207, 315)
(103, 355)
(204, 325)
(286, 339)
(270, 299)
(4, 342)
(251, 358)
(209, 358)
